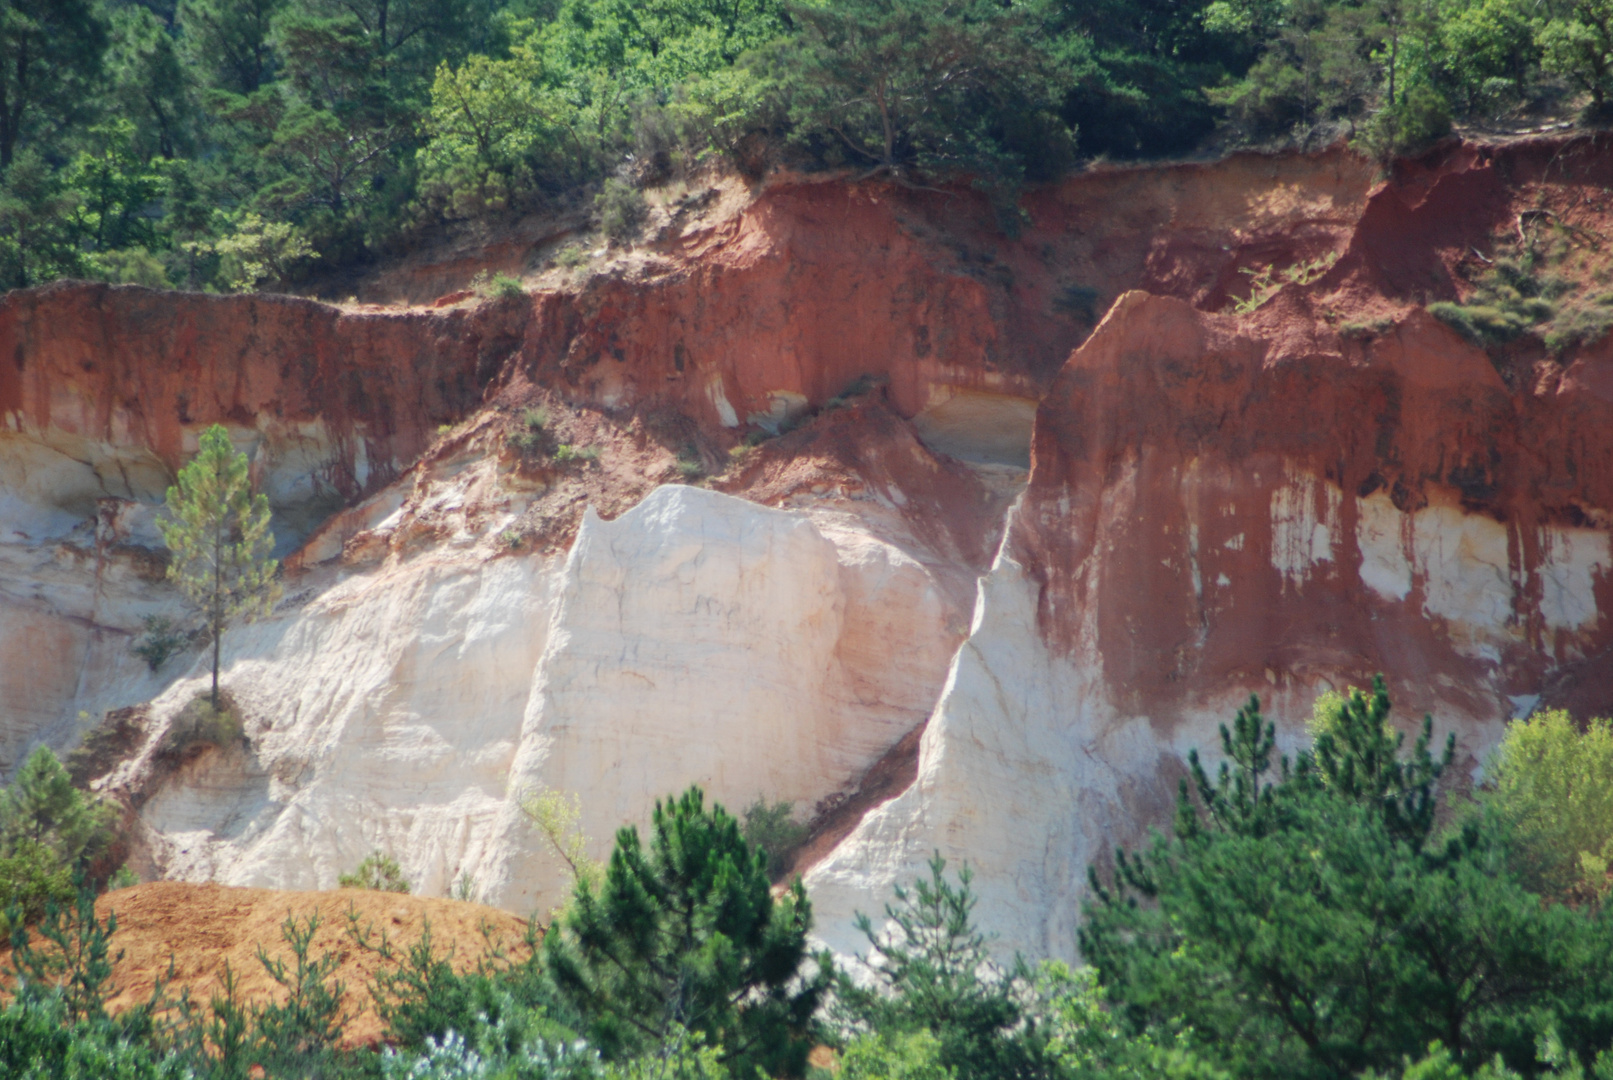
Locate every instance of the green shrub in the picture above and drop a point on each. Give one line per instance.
(1508, 300)
(913, 1055)
(499, 286)
(565, 454)
(299, 1036)
(41, 808)
(32, 877)
(571, 256)
(131, 266)
(260, 253)
(379, 872)
(933, 973)
(622, 210)
(559, 819)
(160, 639)
(1371, 936)
(774, 830)
(690, 465)
(201, 723)
(40, 1041)
(1553, 782)
(1420, 118)
(56, 1025)
(532, 437)
(1581, 323)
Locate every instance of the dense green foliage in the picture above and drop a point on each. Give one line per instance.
(935, 980)
(772, 828)
(1553, 783)
(49, 831)
(1309, 921)
(686, 934)
(1333, 916)
(240, 144)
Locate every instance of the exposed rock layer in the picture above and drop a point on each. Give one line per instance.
(1219, 507)
(1328, 485)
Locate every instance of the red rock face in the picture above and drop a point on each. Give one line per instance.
(132, 367)
(776, 304)
(1239, 502)
(813, 286)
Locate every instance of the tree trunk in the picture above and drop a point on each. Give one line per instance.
(218, 633)
(218, 603)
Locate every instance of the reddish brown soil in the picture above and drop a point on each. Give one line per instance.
(199, 929)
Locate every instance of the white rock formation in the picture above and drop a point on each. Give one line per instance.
(698, 638)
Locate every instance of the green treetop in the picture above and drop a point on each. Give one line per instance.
(220, 539)
(685, 934)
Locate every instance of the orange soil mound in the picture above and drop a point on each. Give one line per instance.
(201, 928)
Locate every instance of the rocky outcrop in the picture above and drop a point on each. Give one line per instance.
(1220, 507)
(502, 579)
(745, 314)
(697, 638)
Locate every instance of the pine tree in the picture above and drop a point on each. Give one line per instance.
(42, 807)
(934, 973)
(1312, 924)
(687, 935)
(220, 539)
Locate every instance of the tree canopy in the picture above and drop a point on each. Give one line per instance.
(1309, 920)
(685, 934)
(240, 144)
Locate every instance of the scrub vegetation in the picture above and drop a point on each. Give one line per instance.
(1340, 914)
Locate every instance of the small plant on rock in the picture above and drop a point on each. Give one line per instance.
(566, 453)
(203, 723)
(532, 437)
(571, 256)
(690, 465)
(497, 287)
(1266, 281)
(160, 640)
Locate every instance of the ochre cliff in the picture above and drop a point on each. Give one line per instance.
(1220, 506)
(1222, 497)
